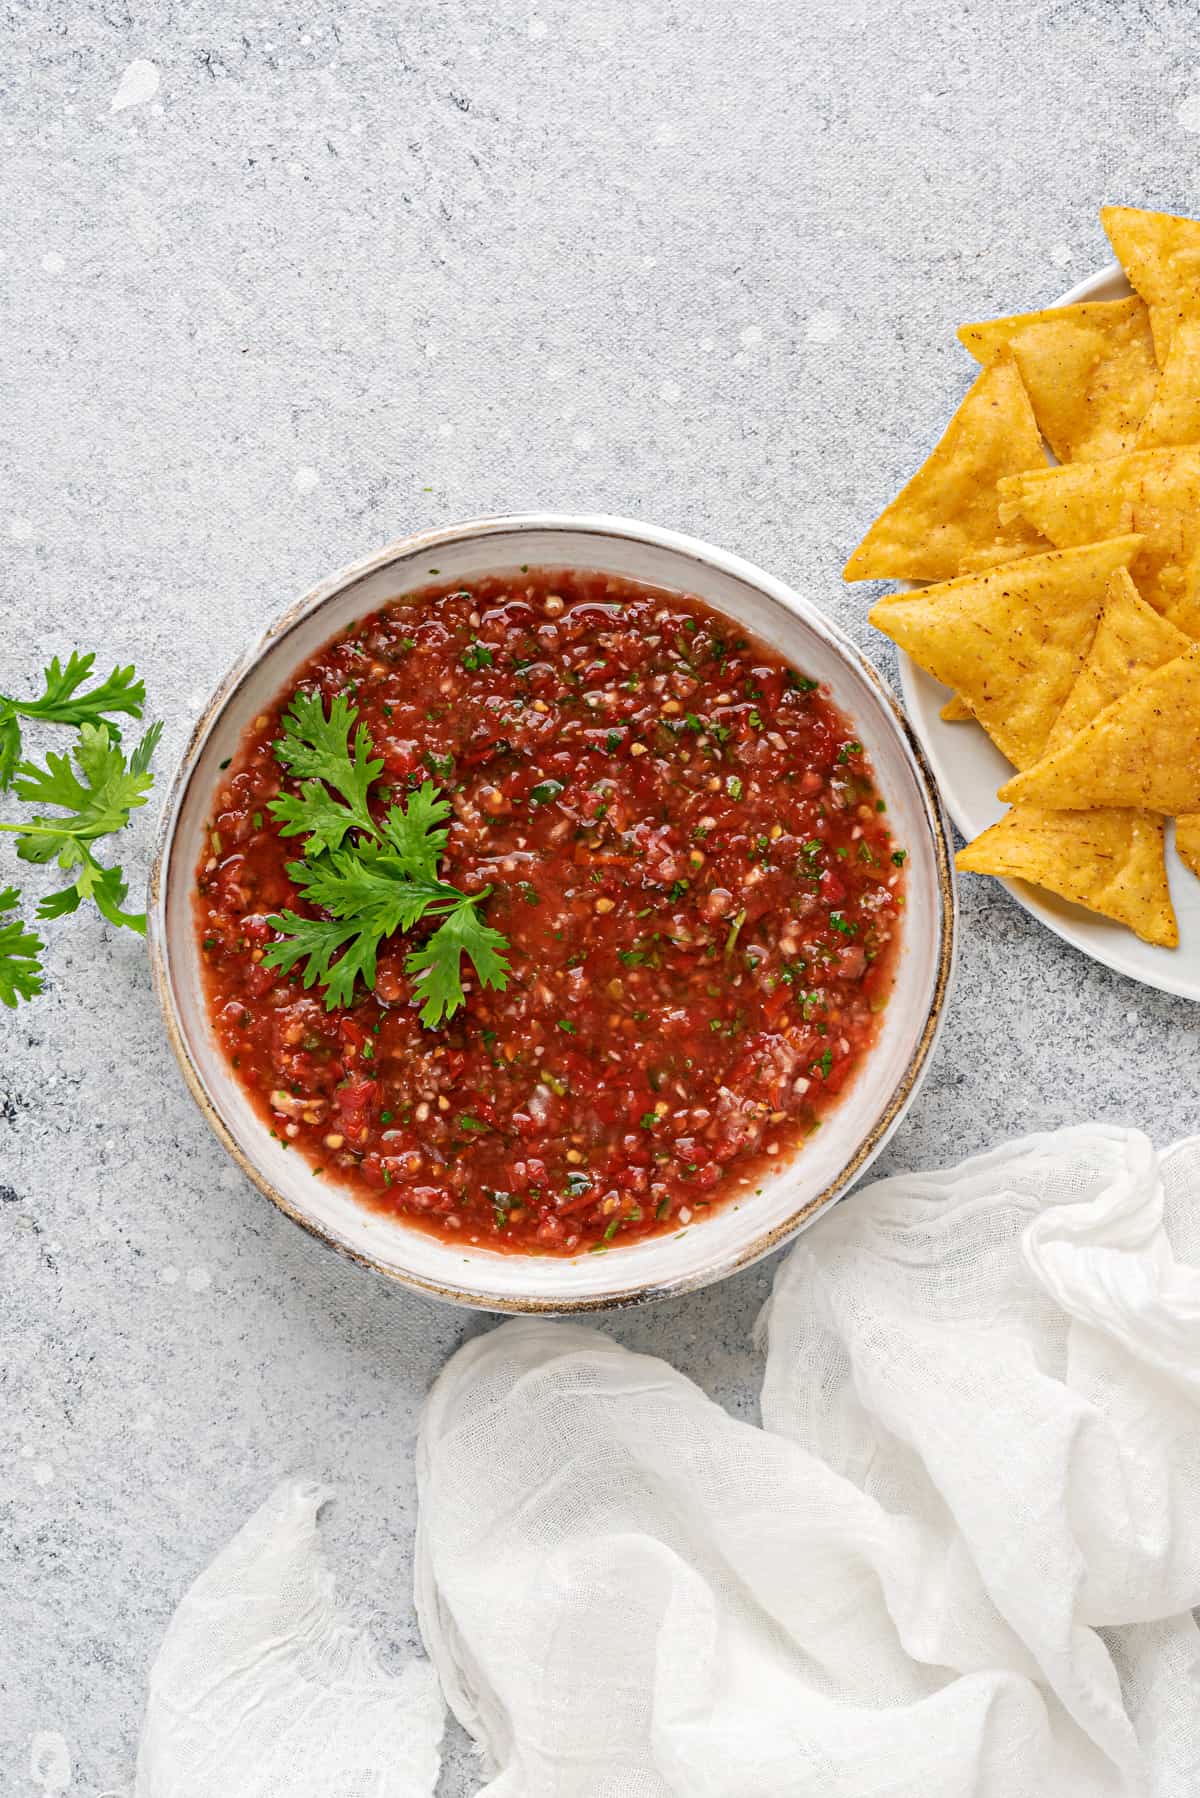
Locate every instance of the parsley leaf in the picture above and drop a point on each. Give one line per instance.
(462, 932)
(376, 882)
(316, 750)
(418, 834)
(61, 702)
(96, 802)
(20, 969)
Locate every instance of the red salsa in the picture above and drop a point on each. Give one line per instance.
(695, 875)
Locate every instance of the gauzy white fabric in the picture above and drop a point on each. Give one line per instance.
(960, 1557)
(261, 1689)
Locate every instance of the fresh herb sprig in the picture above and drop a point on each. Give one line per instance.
(96, 802)
(20, 950)
(373, 878)
(62, 702)
(94, 791)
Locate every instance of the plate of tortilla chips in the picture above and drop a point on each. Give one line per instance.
(1050, 656)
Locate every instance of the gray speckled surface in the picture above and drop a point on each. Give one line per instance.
(354, 270)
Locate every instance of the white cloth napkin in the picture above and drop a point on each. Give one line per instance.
(958, 1560)
(261, 1690)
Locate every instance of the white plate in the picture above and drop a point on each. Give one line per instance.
(969, 768)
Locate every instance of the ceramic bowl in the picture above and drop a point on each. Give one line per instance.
(739, 1231)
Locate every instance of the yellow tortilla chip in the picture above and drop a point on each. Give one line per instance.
(1089, 371)
(949, 508)
(956, 710)
(1130, 639)
(1185, 612)
(1110, 861)
(1154, 492)
(1160, 252)
(997, 555)
(1010, 641)
(1187, 841)
(1143, 750)
(1174, 417)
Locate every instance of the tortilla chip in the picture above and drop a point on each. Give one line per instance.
(1184, 613)
(1174, 417)
(1160, 253)
(1143, 750)
(1131, 638)
(1187, 841)
(1155, 492)
(956, 710)
(1011, 641)
(1089, 371)
(1112, 862)
(949, 508)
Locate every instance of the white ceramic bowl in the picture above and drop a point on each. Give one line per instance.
(740, 1230)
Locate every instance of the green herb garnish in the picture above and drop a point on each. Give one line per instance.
(373, 879)
(20, 969)
(61, 702)
(95, 802)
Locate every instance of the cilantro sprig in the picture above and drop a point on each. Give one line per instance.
(62, 702)
(95, 798)
(20, 967)
(77, 799)
(372, 877)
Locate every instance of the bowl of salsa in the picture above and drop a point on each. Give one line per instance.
(552, 913)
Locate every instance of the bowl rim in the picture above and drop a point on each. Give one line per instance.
(693, 549)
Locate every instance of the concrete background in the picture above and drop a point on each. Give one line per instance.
(323, 275)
